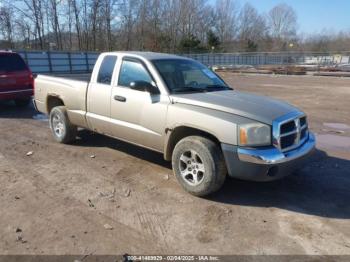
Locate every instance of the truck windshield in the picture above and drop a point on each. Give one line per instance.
(11, 63)
(182, 75)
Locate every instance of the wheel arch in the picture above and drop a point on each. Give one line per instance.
(180, 132)
(53, 101)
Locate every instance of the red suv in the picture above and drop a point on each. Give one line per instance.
(16, 79)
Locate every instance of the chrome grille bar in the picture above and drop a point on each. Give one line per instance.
(294, 136)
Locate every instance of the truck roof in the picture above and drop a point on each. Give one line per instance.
(148, 55)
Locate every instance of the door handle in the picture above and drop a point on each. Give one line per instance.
(120, 98)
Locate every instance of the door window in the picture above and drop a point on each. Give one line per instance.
(106, 70)
(132, 71)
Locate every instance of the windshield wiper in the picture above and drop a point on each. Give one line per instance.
(217, 87)
(208, 88)
(189, 89)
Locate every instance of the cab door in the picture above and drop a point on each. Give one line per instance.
(99, 95)
(137, 116)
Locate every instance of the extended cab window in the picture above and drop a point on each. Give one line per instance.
(106, 70)
(132, 71)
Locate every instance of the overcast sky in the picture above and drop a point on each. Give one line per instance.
(313, 15)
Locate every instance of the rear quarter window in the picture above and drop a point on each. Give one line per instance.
(11, 63)
(106, 70)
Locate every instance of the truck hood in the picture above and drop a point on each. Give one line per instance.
(260, 108)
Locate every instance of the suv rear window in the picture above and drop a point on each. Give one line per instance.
(11, 63)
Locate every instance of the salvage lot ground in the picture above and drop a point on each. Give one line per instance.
(62, 198)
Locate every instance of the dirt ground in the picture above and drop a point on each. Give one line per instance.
(103, 196)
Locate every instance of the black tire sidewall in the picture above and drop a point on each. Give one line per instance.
(208, 184)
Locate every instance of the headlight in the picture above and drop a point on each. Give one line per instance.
(255, 134)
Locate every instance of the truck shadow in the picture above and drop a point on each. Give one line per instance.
(90, 139)
(322, 189)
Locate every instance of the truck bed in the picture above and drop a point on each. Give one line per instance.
(80, 77)
(67, 89)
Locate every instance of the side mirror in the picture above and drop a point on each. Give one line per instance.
(144, 86)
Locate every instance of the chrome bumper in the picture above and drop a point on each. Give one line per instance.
(270, 156)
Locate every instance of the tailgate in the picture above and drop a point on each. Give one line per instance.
(11, 82)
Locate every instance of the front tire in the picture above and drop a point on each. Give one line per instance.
(199, 165)
(62, 129)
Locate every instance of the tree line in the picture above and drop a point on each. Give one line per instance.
(156, 25)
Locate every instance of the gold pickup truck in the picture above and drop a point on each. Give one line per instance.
(182, 109)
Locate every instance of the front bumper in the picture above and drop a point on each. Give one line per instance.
(266, 163)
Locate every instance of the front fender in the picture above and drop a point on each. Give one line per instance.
(221, 125)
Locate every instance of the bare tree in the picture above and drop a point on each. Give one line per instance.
(205, 22)
(85, 18)
(34, 11)
(128, 18)
(252, 28)
(24, 33)
(282, 22)
(69, 14)
(107, 13)
(6, 25)
(76, 11)
(94, 9)
(226, 20)
(53, 15)
(157, 25)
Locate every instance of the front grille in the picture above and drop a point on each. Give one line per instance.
(288, 141)
(303, 133)
(290, 131)
(288, 127)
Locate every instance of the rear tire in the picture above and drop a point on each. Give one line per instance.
(22, 102)
(62, 129)
(199, 165)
